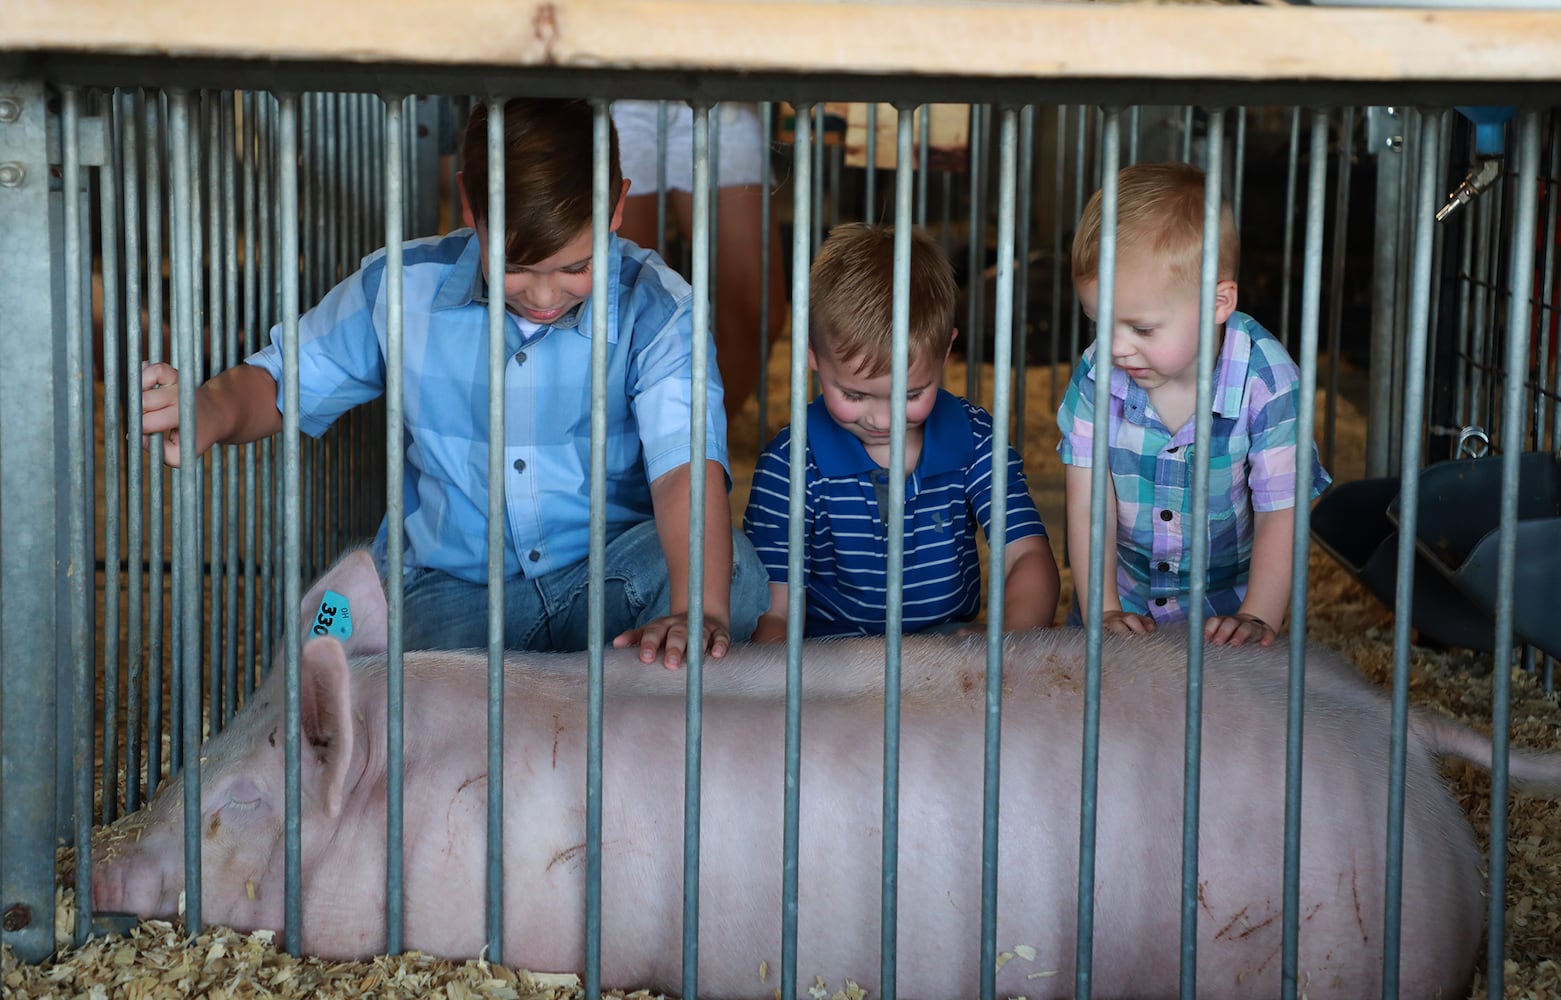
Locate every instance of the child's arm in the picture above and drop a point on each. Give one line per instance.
(1078, 487)
(669, 498)
(1030, 584)
(1268, 584)
(234, 407)
(772, 624)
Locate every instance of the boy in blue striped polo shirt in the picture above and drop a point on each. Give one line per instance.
(1151, 423)
(948, 450)
(546, 381)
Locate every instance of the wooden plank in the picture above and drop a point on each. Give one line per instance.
(966, 38)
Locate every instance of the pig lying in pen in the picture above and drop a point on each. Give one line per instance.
(139, 868)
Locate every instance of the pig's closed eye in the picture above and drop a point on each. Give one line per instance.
(240, 794)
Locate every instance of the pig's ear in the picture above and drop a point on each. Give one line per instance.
(355, 579)
(325, 711)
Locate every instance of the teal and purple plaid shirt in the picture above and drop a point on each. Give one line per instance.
(1251, 468)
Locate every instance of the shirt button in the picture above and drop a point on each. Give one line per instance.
(520, 357)
(1172, 449)
(1159, 602)
(1166, 515)
(535, 555)
(1164, 567)
(520, 465)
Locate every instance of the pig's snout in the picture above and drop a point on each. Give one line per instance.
(130, 876)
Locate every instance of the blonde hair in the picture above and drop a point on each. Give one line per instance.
(851, 296)
(1159, 209)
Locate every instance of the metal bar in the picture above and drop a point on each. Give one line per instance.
(1423, 211)
(1095, 579)
(1021, 296)
(395, 517)
(216, 464)
(1525, 211)
(820, 137)
(1239, 170)
(596, 608)
(766, 222)
(895, 604)
(802, 193)
(130, 162)
(288, 248)
(1311, 293)
(1288, 254)
(249, 149)
(1059, 181)
(925, 113)
(975, 262)
(496, 521)
(109, 182)
(229, 259)
(997, 533)
(1080, 145)
(159, 475)
(1199, 550)
(870, 169)
(1341, 220)
(703, 180)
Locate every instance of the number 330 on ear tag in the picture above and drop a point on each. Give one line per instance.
(334, 617)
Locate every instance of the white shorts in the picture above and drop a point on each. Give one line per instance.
(738, 155)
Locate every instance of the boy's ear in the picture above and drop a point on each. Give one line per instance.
(953, 336)
(812, 361)
(617, 209)
(1224, 300)
(467, 218)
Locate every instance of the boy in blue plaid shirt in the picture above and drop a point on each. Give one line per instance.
(547, 384)
(1151, 423)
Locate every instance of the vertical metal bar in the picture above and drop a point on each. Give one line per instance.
(1384, 270)
(249, 150)
(1095, 579)
(820, 138)
(229, 261)
(694, 704)
(895, 604)
(292, 538)
(1081, 150)
(1311, 294)
(1285, 268)
(1002, 359)
(1423, 211)
(267, 165)
(1548, 349)
(31, 495)
(925, 114)
(1059, 181)
(1341, 226)
(1525, 210)
(109, 180)
(870, 169)
(975, 259)
(766, 221)
(395, 517)
(1134, 127)
(497, 226)
(796, 546)
(1187, 123)
(712, 257)
(1240, 167)
(1199, 551)
(129, 105)
(187, 542)
(215, 362)
(78, 588)
(1021, 294)
(596, 608)
(154, 353)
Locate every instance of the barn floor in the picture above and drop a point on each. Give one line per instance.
(154, 961)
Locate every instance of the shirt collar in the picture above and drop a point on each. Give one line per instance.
(947, 443)
(1230, 373)
(465, 285)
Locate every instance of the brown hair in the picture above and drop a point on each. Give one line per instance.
(1159, 209)
(548, 154)
(851, 296)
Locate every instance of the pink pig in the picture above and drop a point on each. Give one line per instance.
(139, 865)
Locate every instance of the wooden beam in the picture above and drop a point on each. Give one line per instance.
(962, 38)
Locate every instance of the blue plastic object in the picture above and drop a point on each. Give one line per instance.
(1490, 128)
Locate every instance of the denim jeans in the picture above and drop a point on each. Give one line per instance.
(550, 612)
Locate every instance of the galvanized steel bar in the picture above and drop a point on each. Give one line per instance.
(1021, 291)
(1287, 255)
(128, 113)
(229, 258)
(1095, 578)
(975, 260)
(78, 584)
(894, 610)
(292, 537)
(870, 168)
(267, 111)
(925, 114)
(1423, 210)
(1387, 250)
(766, 221)
(1134, 126)
(596, 608)
(997, 531)
(152, 106)
(1524, 220)
(1545, 396)
(1341, 217)
(703, 181)
(795, 547)
(395, 519)
(1239, 168)
(31, 488)
(1199, 550)
(820, 138)
(187, 539)
(249, 150)
(712, 257)
(216, 499)
(1311, 294)
(496, 270)
(1080, 147)
(1059, 184)
(109, 182)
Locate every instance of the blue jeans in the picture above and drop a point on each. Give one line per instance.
(549, 613)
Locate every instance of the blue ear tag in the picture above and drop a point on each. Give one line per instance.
(334, 617)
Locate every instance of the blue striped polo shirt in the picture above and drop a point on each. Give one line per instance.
(846, 541)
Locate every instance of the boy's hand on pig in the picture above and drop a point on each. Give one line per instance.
(671, 634)
(1126, 623)
(1237, 630)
